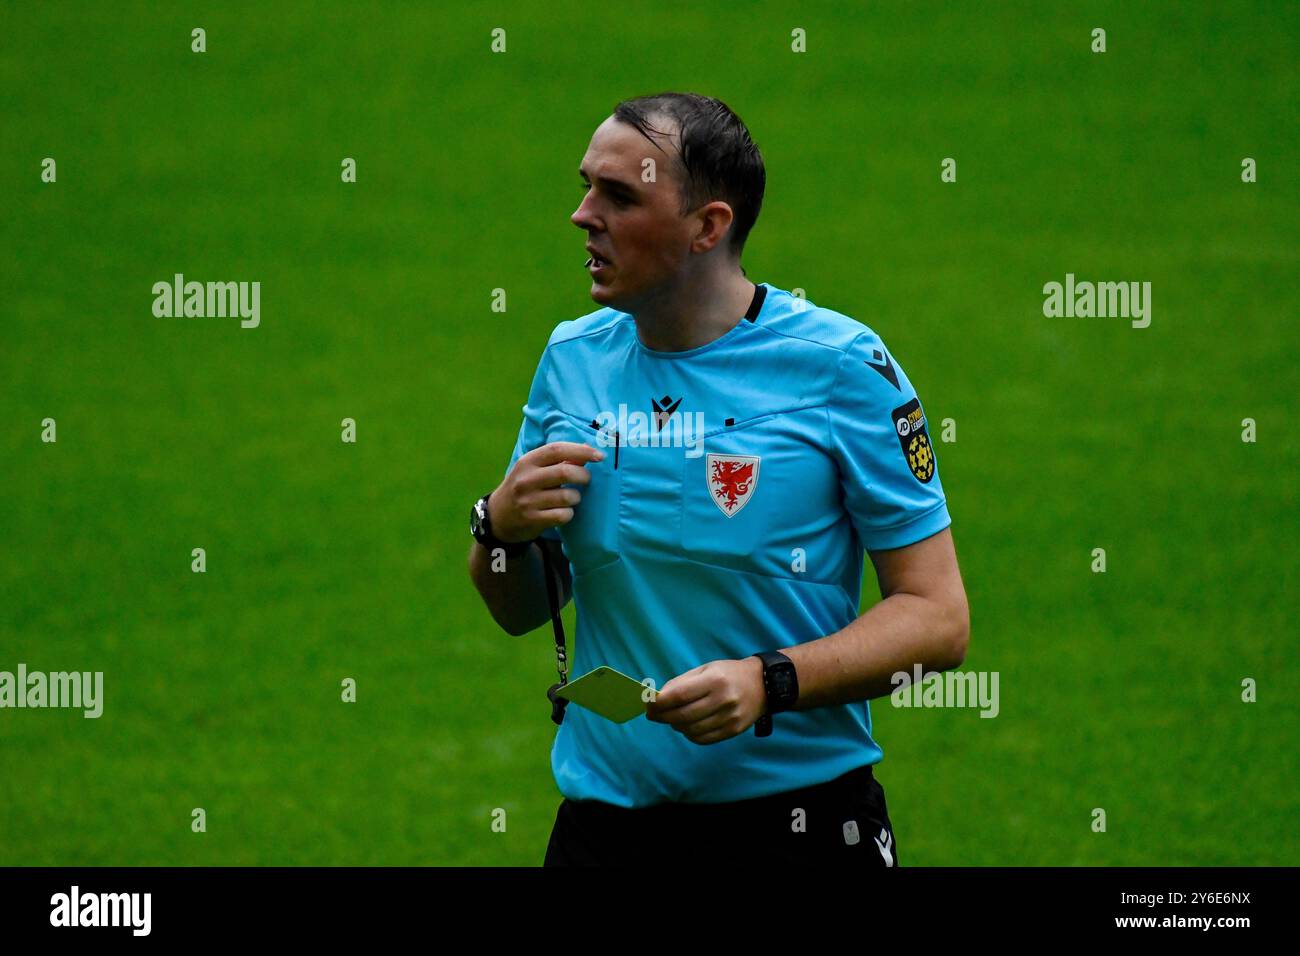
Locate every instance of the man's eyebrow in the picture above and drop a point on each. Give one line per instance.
(606, 181)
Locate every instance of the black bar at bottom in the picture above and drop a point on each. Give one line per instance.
(653, 904)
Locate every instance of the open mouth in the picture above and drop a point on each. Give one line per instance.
(596, 261)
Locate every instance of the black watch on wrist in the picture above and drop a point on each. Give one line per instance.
(782, 686)
(480, 526)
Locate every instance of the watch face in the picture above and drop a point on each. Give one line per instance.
(476, 518)
(781, 678)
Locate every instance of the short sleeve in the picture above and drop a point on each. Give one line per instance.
(881, 441)
(532, 430)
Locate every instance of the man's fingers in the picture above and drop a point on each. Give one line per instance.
(535, 496)
(549, 498)
(683, 715)
(558, 451)
(555, 516)
(563, 473)
(711, 724)
(680, 695)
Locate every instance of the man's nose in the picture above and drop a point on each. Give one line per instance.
(582, 217)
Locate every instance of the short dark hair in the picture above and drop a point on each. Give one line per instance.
(716, 159)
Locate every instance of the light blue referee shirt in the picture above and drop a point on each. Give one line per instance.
(741, 482)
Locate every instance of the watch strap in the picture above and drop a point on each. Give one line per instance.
(763, 726)
(485, 537)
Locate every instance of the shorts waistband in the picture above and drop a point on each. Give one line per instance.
(857, 778)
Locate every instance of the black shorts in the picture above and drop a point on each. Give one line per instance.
(841, 821)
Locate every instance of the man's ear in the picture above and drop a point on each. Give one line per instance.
(715, 220)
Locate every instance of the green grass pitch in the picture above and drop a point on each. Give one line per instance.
(328, 560)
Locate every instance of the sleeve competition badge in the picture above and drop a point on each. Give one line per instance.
(909, 423)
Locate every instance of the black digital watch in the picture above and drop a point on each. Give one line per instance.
(781, 683)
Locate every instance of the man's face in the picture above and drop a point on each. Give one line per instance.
(634, 226)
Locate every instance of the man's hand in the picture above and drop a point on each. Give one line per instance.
(531, 498)
(712, 702)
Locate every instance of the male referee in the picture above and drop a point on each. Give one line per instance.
(726, 567)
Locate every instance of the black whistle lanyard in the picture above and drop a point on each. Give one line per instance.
(557, 626)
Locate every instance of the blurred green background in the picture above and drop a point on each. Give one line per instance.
(328, 560)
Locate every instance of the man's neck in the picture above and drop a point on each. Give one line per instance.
(693, 314)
